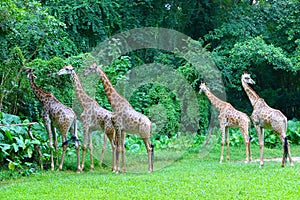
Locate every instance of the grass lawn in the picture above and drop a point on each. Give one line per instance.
(190, 177)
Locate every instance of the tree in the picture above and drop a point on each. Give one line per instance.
(27, 25)
(262, 39)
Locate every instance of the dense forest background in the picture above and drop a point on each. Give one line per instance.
(261, 37)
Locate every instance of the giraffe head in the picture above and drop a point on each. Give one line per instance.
(66, 70)
(247, 79)
(29, 72)
(90, 69)
(203, 88)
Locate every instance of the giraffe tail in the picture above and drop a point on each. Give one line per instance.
(249, 131)
(285, 148)
(74, 139)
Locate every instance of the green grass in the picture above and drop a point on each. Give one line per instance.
(178, 175)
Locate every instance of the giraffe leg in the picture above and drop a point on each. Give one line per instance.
(249, 148)
(84, 146)
(246, 142)
(103, 148)
(222, 143)
(118, 150)
(78, 158)
(48, 128)
(123, 151)
(286, 151)
(77, 145)
(55, 143)
(290, 157)
(150, 153)
(260, 133)
(64, 138)
(113, 148)
(227, 143)
(283, 154)
(247, 151)
(91, 151)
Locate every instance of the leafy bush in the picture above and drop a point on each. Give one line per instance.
(294, 131)
(17, 148)
(174, 142)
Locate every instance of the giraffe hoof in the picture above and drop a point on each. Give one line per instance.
(261, 166)
(292, 165)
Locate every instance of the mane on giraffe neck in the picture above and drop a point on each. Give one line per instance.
(39, 93)
(113, 96)
(252, 95)
(218, 103)
(83, 98)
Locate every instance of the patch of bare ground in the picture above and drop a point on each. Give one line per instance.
(295, 159)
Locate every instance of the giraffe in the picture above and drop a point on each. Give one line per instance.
(229, 117)
(125, 119)
(265, 117)
(56, 115)
(93, 117)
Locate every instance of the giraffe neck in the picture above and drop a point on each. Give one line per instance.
(218, 103)
(114, 98)
(83, 98)
(39, 93)
(253, 97)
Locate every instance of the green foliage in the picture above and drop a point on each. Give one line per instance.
(17, 148)
(294, 131)
(260, 39)
(27, 25)
(10, 72)
(46, 35)
(88, 22)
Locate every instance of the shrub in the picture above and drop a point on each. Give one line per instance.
(17, 149)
